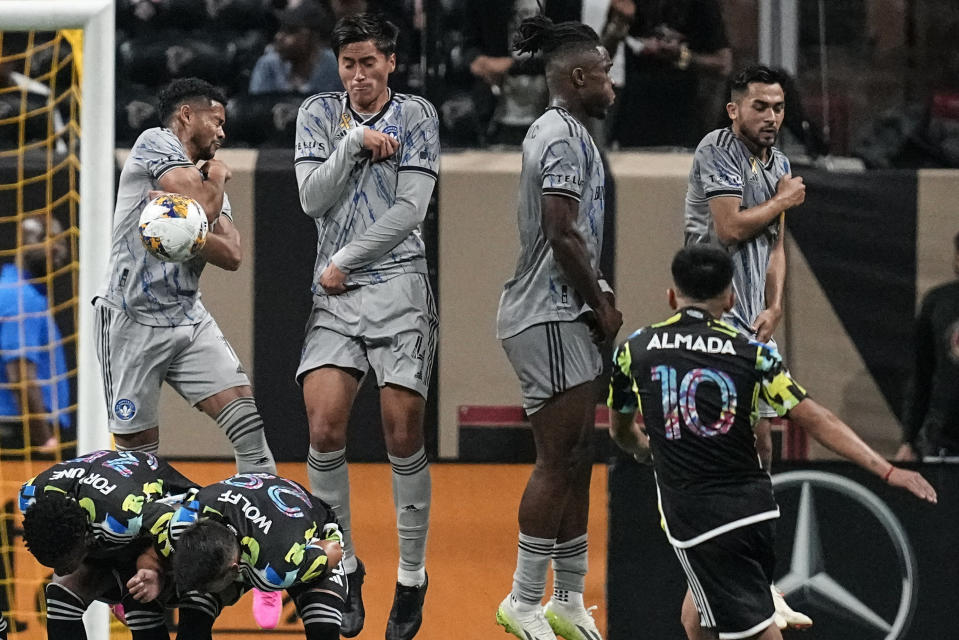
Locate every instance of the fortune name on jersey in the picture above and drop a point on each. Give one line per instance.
(711, 344)
(251, 511)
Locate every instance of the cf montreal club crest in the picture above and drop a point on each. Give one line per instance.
(125, 409)
(855, 572)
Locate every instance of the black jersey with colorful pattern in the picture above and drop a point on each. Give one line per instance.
(277, 522)
(115, 488)
(696, 381)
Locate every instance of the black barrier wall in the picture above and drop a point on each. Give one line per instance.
(864, 560)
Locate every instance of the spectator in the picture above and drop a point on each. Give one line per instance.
(511, 92)
(669, 43)
(932, 405)
(300, 59)
(34, 390)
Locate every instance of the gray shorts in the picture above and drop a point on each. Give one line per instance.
(135, 359)
(389, 327)
(550, 358)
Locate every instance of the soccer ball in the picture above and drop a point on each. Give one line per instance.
(173, 227)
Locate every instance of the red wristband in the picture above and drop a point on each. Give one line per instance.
(885, 478)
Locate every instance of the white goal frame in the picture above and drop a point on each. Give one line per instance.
(97, 171)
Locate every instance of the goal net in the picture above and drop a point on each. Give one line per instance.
(56, 204)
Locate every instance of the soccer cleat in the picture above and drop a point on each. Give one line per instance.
(406, 616)
(573, 623)
(119, 612)
(354, 615)
(785, 617)
(267, 608)
(527, 625)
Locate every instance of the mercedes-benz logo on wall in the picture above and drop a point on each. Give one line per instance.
(808, 576)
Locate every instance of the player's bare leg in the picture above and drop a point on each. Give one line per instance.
(691, 621)
(402, 412)
(328, 393)
(561, 457)
(566, 612)
(147, 441)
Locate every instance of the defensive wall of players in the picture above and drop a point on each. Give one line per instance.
(861, 251)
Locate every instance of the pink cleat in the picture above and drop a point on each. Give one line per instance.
(119, 612)
(267, 607)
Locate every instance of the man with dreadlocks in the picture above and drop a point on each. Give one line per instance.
(552, 315)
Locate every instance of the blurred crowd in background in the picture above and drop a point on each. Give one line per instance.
(875, 79)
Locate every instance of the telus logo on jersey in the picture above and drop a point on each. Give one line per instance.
(712, 344)
(562, 178)
(312, 146)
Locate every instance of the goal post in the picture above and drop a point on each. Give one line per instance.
(97, 170)
(94, 19)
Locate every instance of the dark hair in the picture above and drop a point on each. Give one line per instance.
(202, 554)
(539, 33)
(53, 526)
(362, 27)
(956, 241)
(702, 272)
(754, 73)
(184, 90)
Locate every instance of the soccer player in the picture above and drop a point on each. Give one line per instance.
(151, 325)
(739, 188)
(256, 530)
(551, 315)
(89, 519)
(695, 382)
(366, 161)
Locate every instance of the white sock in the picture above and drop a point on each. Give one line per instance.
(532, 563)
(330, 482)
(412, 490)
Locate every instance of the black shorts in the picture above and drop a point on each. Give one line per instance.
(729, 577)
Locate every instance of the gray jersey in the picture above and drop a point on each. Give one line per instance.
(559, 158)
(369, 188)
(150, 291)
(724, 166)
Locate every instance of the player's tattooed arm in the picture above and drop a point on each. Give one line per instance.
(838, 437)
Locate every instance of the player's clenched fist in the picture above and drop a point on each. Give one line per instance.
(791, 191)
(214, 168)
(381, 145)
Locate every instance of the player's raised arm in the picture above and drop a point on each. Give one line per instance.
(734, 226)
(838, 437)
(322, 174)
(222, 247)
(414, 184)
